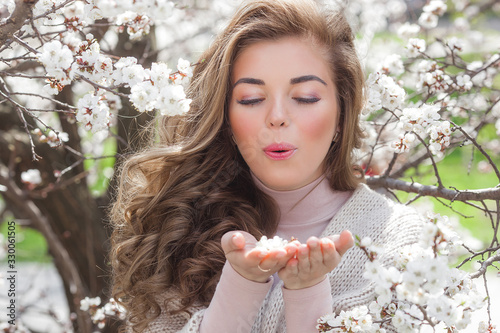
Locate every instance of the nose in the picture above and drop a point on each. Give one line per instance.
(277, 117)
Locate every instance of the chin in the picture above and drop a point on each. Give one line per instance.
(282, 183)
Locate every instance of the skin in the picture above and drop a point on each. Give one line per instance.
(283, 92)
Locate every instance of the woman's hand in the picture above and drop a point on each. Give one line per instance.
(245, 258)
(314, 260)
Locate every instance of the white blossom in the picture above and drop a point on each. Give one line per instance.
(172, 101)
(31, 176)
(408, 30)
(456, 44)
(93, 112)
(392, 65)
(271, 243)
(143, 96)
(127, 71)
(428, 20)
(87, 303)
(437, 7)
(366, 241)
(55, 55)
(415, 46)
(383, 91)
(463, 82)
(159, 74)
(184, 67)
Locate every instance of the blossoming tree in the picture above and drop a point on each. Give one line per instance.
(79, 78)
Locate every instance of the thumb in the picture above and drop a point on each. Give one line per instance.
(236, 240)
(232, 241)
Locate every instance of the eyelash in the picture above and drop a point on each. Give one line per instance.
(297, 99)
(307, 100)
(250, 101)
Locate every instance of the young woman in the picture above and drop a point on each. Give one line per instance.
(265, 150)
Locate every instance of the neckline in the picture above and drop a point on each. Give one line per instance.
(309, 204)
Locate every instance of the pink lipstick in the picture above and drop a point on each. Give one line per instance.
(280, 151)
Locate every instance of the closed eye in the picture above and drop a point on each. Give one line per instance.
(250, 101)
(301, 100)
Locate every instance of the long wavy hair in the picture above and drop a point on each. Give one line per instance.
(177, 197)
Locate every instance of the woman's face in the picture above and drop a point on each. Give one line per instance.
(283, 111)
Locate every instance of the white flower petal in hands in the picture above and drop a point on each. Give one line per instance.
(271, 243)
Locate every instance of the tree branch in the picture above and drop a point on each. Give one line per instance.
(434, 191)
(61, 256)
(484, 266)
(16, 20)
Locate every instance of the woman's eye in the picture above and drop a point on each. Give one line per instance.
(309, 100)
(250, 101)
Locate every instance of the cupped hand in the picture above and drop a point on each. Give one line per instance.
(314, 260)
(253, 263)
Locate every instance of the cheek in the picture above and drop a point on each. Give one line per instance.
(246, 132)
(241, 126)
(320, 129)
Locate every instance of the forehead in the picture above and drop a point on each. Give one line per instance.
(286, 57)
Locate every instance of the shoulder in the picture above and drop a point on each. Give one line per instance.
(368, 213)
(367, 201)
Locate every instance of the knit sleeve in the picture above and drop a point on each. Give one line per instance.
(175, 323)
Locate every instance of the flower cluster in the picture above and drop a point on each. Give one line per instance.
(439, 138)
(161, 89)
(70, 58)
(93, 112)
(487, 328)
(430, 15)
(91, 63)
(383, 91)
(273, 243)
(356, 320)
(99, 314)
(408, 30)
(432, 77)
(417, 289)
(57, 59)
(463, 83)
(392, 65)
(423, 121)
(52, 138)
(485, 72)
(136, 17)
(415, 46)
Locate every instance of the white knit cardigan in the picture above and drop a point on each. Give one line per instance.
(366, 213)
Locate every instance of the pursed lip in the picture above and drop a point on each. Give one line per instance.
(280, 151)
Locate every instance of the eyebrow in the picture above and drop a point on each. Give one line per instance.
(306, 78)
(295, 80)
(249, 81)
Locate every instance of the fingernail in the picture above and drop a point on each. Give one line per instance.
(313, 243)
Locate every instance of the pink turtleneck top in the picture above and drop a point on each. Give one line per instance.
(305, 212)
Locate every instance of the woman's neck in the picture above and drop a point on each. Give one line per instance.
(308, 210)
